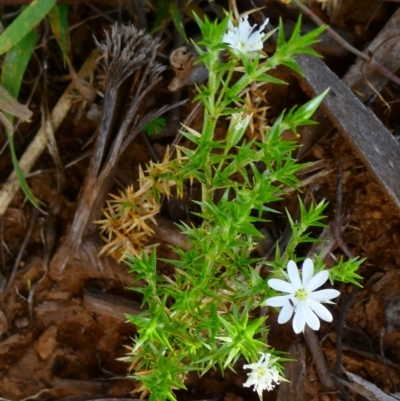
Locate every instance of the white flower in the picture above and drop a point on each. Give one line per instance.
(242, 40)
(262, 375)
(301, 297)
(237, 128)
(240, 122)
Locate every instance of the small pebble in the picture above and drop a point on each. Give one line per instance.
(47, 342)
(21, 322)
(377, 214)
(318, 151)
(3, 323)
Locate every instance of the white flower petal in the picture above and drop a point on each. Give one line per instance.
(299, 319)
(263, 25)
(293, 273)
(320, 310)
(318, 280)
(243, 38)
(251, 366)
(263, 375)
(277, 301)
(307, 272)
(248, 383)
(280, 285)
(301, 299)
(312, 320)
(324, 295)
(285, 314)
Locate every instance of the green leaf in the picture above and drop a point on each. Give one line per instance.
(20, 175)
(281, 34)
(308, 109)
(14, 66)
(58, 17)
(15, 63)
(346, 271)
(24, 23)
(161, 15)
(176, 18)
(154, 127)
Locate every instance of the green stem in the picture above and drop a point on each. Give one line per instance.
(222, 93)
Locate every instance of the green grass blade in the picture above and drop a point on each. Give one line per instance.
(24, 23)
(161, 14)
(14, 66)
(176, 18)
(15, 63)
(58, 18)
(20, 175)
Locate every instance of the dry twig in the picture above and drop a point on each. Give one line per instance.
(39, 143)
(131, 72)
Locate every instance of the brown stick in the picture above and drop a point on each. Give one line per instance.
(39, 143)
(379, 67)
(21, 250)
(110, 305)
(372, 142)
(323, 371)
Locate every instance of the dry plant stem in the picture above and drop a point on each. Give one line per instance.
(294, 373)
(53, 170)
(10, 105)
(234, 9)
(362, 78)
(21, 251)
(129, 58)
(350, 299)
(383, 330)
(339, 329)
(372, 357)
(366, 389)
(2, 256)
(379, 67)
(84, 89)
(39, 143)
(380, 152)
(385, 49)
(79, 386)
(168, 232)
(138, 13)
(325, 244)
(187, 123)
(311, 179)
(46, 119)
(314, 166)
(100, 12)
(48, 236)
(110, 305)
(103, 398)
(53, 148)
(216, 8)
(323, 371)
(32, 397)
(310, 336)
(338, 218)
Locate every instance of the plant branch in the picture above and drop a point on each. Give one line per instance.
(368, 59)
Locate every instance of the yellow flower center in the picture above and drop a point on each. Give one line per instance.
(261, 371)
(301, 294)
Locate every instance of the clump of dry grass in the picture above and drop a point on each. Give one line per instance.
(129, 218)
